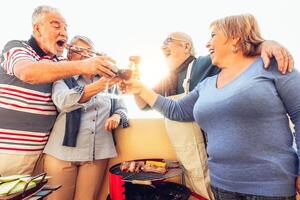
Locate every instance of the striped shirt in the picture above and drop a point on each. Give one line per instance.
(26, 110)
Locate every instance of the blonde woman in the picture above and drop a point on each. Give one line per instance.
(244, 112)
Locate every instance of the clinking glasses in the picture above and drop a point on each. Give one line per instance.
(125, 74)
(88, 53)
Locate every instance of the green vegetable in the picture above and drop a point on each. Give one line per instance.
(20, 186)
(11, 178)
(27, 179)
(5, 188)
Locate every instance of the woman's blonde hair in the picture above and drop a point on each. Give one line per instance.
(242, 27)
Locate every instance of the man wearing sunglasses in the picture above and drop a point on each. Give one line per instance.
(185, 72)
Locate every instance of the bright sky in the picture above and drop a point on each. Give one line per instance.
(122, 28)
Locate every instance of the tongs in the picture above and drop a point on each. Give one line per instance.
(172, 164)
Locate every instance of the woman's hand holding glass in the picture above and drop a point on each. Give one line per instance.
(109, 85)
(132, 86)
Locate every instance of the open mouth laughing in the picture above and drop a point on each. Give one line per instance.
(61, 43)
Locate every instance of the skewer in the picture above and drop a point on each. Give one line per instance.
(79, 49)
(123, 73)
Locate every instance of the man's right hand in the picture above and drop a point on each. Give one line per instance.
(102, 65)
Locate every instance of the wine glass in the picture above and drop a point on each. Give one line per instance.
(114, 91)
(134, 66)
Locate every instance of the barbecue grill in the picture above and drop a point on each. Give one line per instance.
(160, 191)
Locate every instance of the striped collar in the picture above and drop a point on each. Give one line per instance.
(34, 45)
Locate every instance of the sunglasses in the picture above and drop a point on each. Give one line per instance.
(171, 39)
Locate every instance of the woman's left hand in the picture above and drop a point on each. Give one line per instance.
(112, 122)
(132, 86)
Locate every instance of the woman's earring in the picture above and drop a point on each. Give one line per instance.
(234, 49)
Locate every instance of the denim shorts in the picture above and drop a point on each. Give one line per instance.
(221, 194)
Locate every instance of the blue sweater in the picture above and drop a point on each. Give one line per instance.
(249, 139)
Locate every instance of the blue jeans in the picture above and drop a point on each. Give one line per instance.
(221, 194)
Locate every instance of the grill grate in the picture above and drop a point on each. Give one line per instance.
(145, 176)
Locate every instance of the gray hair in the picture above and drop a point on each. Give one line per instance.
(83, 39)
(185, 38)
(79, 38)
(40, 11)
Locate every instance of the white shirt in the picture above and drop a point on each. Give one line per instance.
(93, 141)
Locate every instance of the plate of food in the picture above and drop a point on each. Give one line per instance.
(20, 186)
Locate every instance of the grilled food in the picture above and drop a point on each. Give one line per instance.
(146, 166)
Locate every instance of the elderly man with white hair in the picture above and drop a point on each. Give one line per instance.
(27, 71)
(185, 72)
